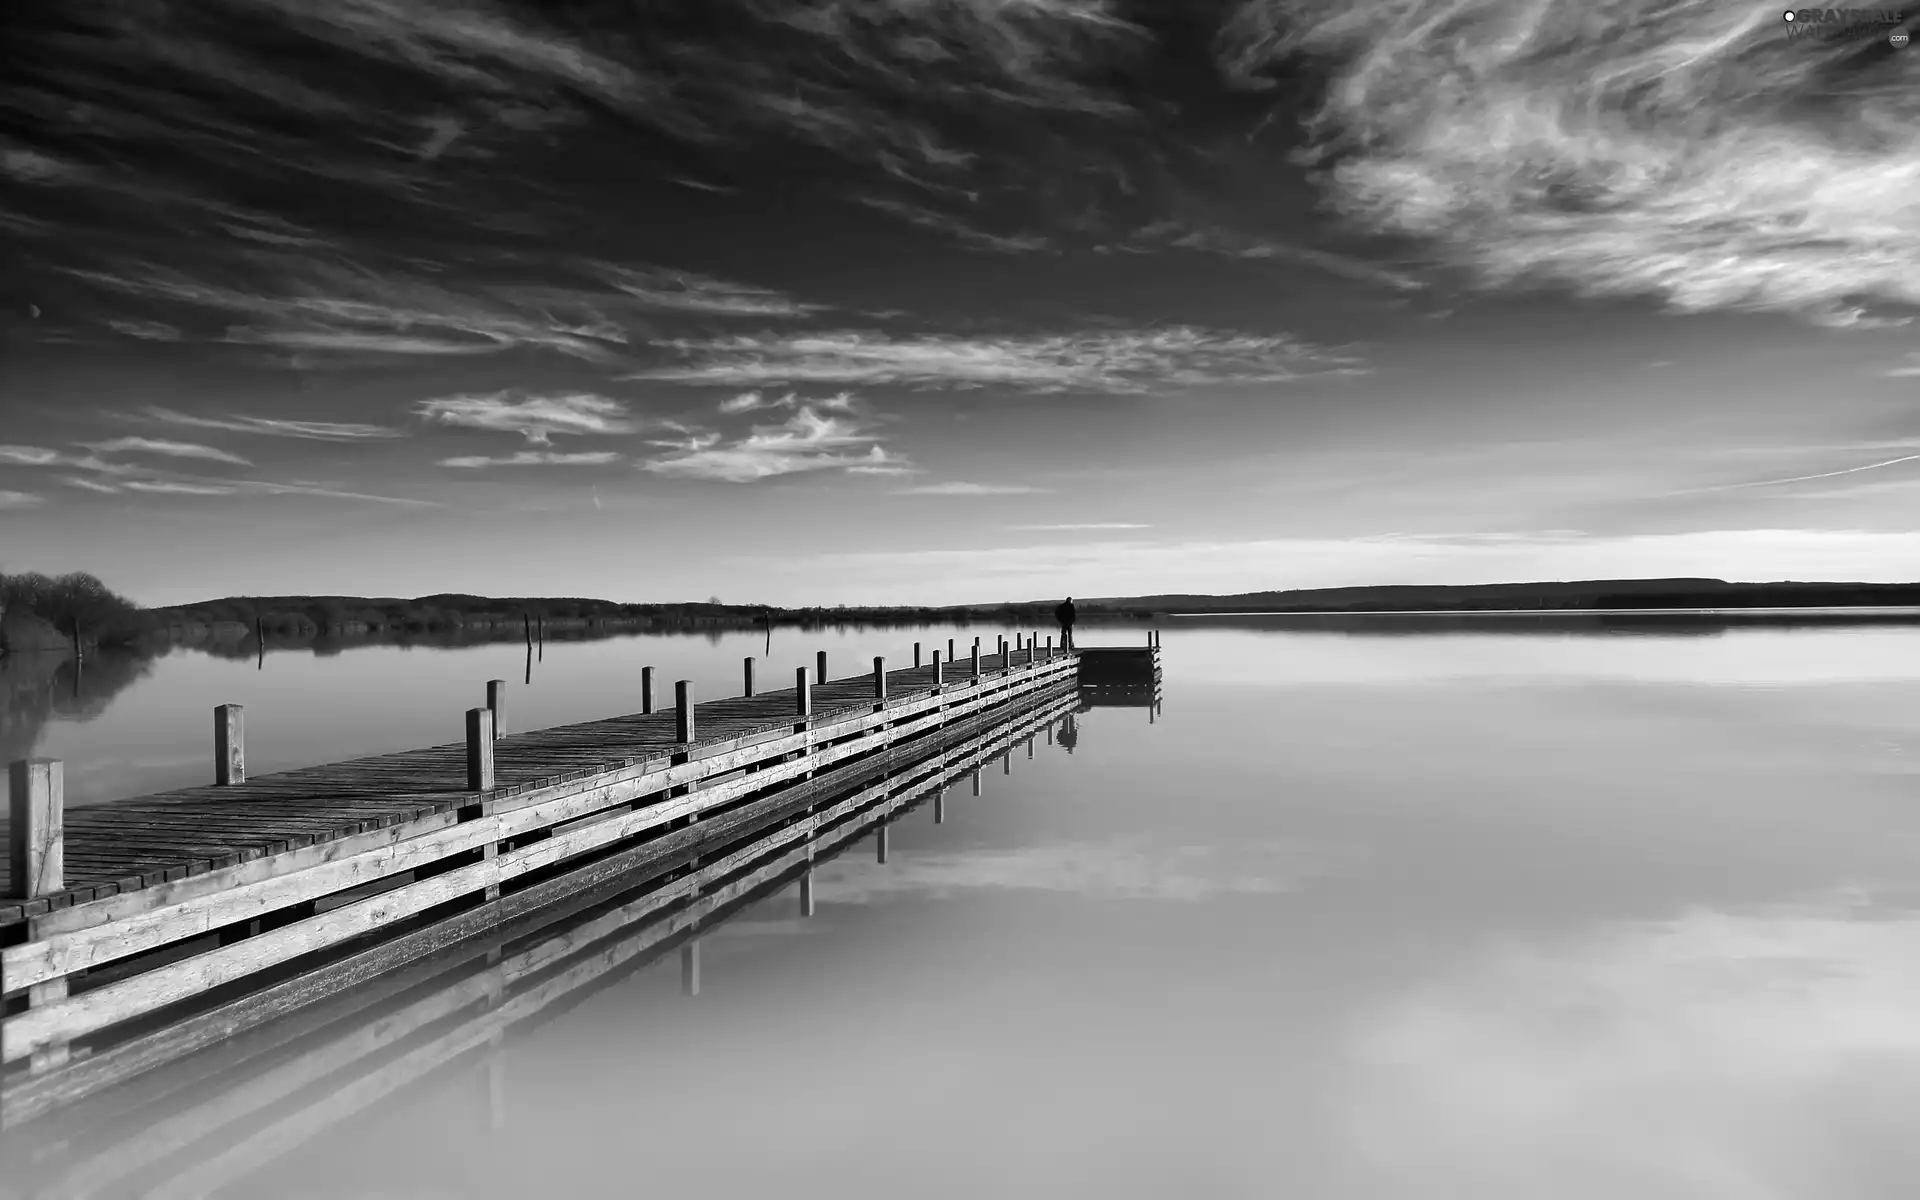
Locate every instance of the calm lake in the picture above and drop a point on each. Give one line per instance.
(1542, 908)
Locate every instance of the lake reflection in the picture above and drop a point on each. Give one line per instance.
(1519, 914)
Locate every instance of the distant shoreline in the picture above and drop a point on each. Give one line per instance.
(1882, 609)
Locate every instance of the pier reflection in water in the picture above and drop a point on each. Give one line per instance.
(223, 1117)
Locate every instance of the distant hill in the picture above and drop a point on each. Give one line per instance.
(1586, 593)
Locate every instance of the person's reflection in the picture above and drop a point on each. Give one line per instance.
(1070, 730)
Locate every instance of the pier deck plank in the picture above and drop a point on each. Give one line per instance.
(142, 841)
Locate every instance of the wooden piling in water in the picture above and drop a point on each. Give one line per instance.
(820, 667)
(950, 654)
(646, 689)
(479, 750)
(976, 781)
(497, 705)
(229, 745)
(879, 679)
(806, 892)
(748, 676)
(916, 654)
(976, 658)
(683, 730)
(880, 844)
(36, 808)
(940, 807)
(938, 679)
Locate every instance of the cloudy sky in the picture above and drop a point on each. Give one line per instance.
(951, 300)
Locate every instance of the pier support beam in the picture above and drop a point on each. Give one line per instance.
(479, 750)
(976, 781)
(806, 892)
(938, 678)
(646, 689)
(748, 676)
(229, 745)
(820, 667)
(497, 705)
(683, 730)
(916, 654)
(880, 844)
(950, 653)
(940, 807)
(36, 810)
(976, 658)
(880, 680)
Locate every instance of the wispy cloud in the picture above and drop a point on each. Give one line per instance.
(320, 431)
(162, 446)
(687, 292)
(9, 499)
(957, 229)
(806, 441)
(535, 458)
(959, 488)
(1229, 243)
(1684, 150)
(1910, 369)
(1120, 361)
(1092, 525)
(752, 401)
(537, 418)
(173, 487)
(109, 476)
(146, 331)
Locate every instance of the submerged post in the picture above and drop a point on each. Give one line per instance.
(479, 750)
(916, 654)
(879, 678)
(940, 807)
(820, 667)
(683, 710)
(646, 689)
(806, 892)
(749, 676)
(690, 968)
(229, 745)
(36, 847)
(976, 781)
(880, 844)
(497, 705)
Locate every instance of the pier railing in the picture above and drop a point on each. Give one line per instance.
(182, 959)
(237, 1107)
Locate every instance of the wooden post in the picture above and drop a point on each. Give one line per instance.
(683, 711)
(749, 676)
(1049, 646)
(526, 622)
(880, 679)
(37, 847)
(479, 750)
(646, 689)
(803, 694)
(950, 653)
(937, 676)
(1029, 747)
(976, 658)
(1149, 638)
(497, 705)
(976, 781)
(880, 844)
(229, 745)
(806, 892)
(1006, 763)
(940, 807)
(916, 654)
(820, 667)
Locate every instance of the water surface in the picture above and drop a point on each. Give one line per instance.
(1498, 913)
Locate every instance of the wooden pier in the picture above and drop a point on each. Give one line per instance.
(233, 1110)
(141, 931)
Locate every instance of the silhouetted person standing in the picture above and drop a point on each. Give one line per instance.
(1064, 614)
